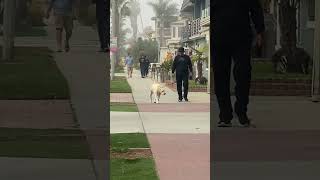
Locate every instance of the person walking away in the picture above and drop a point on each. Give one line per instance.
(232, 39)
(63, 13)
(102, 23)
(146, 66)
(129, 64)
(182, 66)
(141, 61)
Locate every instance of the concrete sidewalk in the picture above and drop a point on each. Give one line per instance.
(282, 113)
(45, 169)
(141, 88)
(178, 132)
(284, 146)
(85, 70)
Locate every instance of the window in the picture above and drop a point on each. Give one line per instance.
(311, 10)
(180, 32)
(173, 32)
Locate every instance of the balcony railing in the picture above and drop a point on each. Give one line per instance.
(192, 29)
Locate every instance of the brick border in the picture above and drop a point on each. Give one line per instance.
(268, 87)
(173, 87)
(281, 87)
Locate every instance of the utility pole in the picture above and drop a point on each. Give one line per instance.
(316, 58)
(8, 29)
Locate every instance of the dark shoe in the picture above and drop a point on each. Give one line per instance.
(224, 124)
(186, 99)
(180, 100)
(244, 120)
(66, 46)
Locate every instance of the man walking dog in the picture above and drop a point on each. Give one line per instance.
(182, 65)
(232, 40)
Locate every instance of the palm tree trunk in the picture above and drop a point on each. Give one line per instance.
(161, 32)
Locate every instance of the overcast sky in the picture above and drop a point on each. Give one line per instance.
(147, 13)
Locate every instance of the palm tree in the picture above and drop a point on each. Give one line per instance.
(200, 56)
(166, 12)
(134, 12)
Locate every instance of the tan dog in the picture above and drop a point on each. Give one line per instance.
(156, 91)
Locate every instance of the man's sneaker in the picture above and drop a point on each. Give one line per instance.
(224, 124)
(180, 100)
(186, 99)
(244, 121)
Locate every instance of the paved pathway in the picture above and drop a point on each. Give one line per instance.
(37, 114)
(284, 146)
(179, 139)
(85, 70)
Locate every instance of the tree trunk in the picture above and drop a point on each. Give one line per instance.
(161, 32)
(8, 30)
(199, 69)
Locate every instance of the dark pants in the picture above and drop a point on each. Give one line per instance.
(102, 30)
(145, 70)
(223, 54)
(182, 79)
(142, 70)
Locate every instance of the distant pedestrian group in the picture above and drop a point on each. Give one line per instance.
(144, 66)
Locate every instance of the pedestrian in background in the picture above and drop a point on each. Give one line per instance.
(142, 65)
(63, 11)
(146, 66)
(129, 63)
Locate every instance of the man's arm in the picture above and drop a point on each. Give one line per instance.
(174, 65)
(50, 5)
(257, 16)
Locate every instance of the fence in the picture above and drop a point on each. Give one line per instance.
(161, 75)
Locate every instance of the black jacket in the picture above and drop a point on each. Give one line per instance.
(182, 64)
(232, 18)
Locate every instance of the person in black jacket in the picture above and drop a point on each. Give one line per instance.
(142, 65)
(232, 38)
(182, 65)
(102, 23)
(146, 64)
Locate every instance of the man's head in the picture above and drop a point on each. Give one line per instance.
(180, 50)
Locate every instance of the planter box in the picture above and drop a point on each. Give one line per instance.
(173, 86)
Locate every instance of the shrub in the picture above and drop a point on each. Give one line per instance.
(36, 15)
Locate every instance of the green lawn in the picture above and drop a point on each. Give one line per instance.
(263, 70)
(32, 75)
(124, 107)
(120, 85)
(193, 84)
(45, 143)
(122, 142)
(138, 169)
